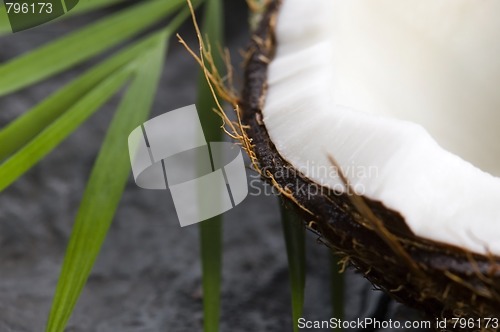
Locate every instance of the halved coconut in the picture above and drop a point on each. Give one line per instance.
(379, 120)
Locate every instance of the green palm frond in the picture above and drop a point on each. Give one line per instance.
(106, 184)
(39, 130)
(211, 230)
(337, 289)
(294, 233)
(81, 45)
(56, 132)
(20, 131)
(83, 7)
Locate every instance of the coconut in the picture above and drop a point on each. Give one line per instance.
(377, 120)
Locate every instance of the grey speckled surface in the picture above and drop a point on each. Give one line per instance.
(147, 278)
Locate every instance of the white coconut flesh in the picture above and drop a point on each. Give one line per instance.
(403, 94)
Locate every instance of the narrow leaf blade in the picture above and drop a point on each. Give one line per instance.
(83, 6)
(337, 290)
(294, 233)
(211, 230)
(20, 131)
(211, 258)
(54, 134)
(81, 45)
(105, 188)
(90, 5)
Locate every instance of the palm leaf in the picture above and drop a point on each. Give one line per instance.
(211, 230)
(54, 134)
(294, 233)
(337, 288)
(83, 7)
(105, 187)
(4, 20)
(81, 45)
(19, 132)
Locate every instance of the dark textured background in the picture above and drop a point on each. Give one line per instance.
(147, 278)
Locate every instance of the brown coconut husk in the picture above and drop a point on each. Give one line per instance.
(441, 280)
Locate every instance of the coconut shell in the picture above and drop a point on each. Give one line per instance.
(438, 279)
